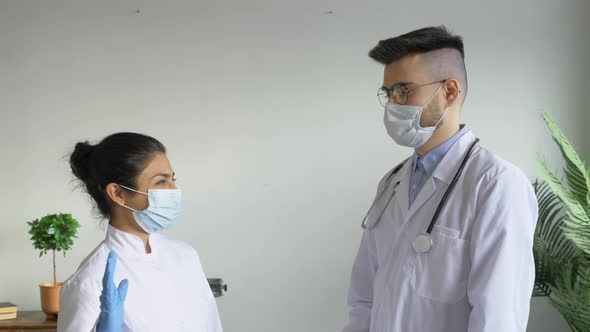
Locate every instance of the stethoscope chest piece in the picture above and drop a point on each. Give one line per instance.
(422, 243)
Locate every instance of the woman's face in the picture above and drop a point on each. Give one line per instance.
(157, 175)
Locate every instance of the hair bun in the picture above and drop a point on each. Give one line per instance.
(80, 161)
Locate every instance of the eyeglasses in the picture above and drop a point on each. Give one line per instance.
(399, 92)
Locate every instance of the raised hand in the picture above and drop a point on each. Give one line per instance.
(112, 299)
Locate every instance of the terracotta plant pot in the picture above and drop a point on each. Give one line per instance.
(50, 298)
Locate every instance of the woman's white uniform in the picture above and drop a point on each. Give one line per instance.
(168, 290)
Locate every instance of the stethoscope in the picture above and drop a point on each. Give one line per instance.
(423, 241)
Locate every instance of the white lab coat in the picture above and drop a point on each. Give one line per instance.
(479, 274)
(168, 290)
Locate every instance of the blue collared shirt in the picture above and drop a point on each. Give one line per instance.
(423, 166)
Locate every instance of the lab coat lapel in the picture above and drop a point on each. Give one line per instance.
(403, 190)
(428, 189)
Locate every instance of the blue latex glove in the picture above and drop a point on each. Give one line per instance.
(112, 299)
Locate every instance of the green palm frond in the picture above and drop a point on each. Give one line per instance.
(551, 248)
(571, 296)
(577, 226)
(562, 237)
(577, 177)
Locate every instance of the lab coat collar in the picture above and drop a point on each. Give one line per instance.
(123, 242)
(433, 158)
(446, 169)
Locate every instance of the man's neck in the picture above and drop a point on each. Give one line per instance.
(440, 135)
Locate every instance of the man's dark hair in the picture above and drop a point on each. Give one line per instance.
(444, 51)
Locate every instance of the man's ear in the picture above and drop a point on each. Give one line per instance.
(115, 193)
(452, 91)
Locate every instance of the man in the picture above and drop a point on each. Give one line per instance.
(471, 267)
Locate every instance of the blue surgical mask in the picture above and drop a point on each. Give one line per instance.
(164, 210)
(403, 124)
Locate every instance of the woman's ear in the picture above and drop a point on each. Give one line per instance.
(115, 193)
(452, 91)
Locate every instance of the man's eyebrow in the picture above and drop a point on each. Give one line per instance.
(398, 83)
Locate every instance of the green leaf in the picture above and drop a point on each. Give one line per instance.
(551, 249)
(562, 237)
(53, 232)
(575, 171)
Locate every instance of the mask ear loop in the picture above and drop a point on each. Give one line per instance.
(439, 120)
(130, 189)
(130, 208)
(428, 102)
(434, 95)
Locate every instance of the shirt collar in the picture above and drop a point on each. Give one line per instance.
(123, 242)
(433, 158)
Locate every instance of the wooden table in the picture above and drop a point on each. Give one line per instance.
(29, 321)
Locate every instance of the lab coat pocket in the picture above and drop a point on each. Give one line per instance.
(441, 274)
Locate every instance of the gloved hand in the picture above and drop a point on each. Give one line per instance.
(112, 299)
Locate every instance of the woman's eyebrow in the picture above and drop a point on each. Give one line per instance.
(166, 175)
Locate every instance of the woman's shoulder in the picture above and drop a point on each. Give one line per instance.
(89, 273)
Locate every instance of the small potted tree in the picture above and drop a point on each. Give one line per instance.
(54, 232)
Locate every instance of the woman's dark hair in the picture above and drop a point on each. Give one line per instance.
(119, 158)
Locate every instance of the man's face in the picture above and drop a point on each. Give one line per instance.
(410, 70)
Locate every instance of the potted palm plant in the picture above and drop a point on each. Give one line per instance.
(52, 233)
(562, 236)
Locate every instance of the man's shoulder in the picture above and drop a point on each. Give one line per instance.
(491, 167)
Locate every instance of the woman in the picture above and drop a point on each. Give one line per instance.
(162, 286)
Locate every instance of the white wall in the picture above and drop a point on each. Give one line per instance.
(270, 115)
